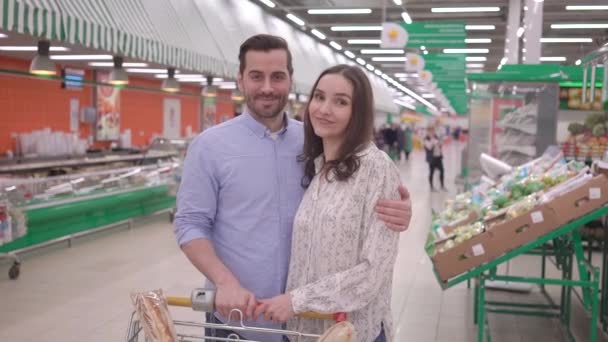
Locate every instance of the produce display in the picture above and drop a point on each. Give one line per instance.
(587, 140)
(12, 223)
(516, 144)
(514, 195)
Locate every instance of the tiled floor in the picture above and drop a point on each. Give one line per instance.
(82, 293)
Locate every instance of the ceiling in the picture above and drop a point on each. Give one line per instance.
(420, 10)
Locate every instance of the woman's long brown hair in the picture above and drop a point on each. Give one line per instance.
(359, 130)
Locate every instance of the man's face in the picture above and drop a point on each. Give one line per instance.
(265, 82)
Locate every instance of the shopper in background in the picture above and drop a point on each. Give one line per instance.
(353, 251)
(408, 137)
(379, 139)
(390, 139)
(400, 140)
(434, 156)
(241, 187)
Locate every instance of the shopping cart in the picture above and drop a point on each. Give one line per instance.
(203, 300)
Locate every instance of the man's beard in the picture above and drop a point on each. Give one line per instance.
(269, 112)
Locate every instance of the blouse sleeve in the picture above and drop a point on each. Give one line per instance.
(354, 288)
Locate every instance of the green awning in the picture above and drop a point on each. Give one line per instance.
(116, 26)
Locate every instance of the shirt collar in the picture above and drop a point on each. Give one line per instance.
(258, 128)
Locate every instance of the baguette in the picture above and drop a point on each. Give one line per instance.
(154, 316)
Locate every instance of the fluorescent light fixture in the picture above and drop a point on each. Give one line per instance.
(349, 54)
(295, 19)
(228, 86)
(422, 47)
(480, 27)
(553, 59)
(477, 41)
(406, 17)
(579, 26)
(398, 2)
(378, 72)
(361, 61)
(382, 52)
(340, 11)
(476, 59)
(428, 96)
(363, 41)
(520, 31)
(370, 67)
(466, 50)
(400, 74)
(145, 71)
(389, 59)
(268, 3)
(356, 28)
(566, 40)
(587, 8)
(110, 64)
(404, 104)
(504, 60)
(2, 35)
(31, 48)
(425, 52)
(475, 65)
(318, 34)
(192, 80)
(335, 45)
(578, 62)
(464, 9)
(81, 57)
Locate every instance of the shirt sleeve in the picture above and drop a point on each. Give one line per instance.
(198, 194)
(354, 288)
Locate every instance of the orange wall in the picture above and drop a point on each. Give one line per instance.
(28, 104)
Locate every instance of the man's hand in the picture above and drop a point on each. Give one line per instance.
(232, 296)
(396, 214)
(278, 309)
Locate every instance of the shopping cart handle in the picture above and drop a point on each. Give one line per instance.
(337, 317)
(179, 301)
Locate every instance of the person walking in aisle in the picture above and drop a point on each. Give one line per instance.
(353, 252)
(409, 142)
(400, 140)
(241, 187)
(434, 156)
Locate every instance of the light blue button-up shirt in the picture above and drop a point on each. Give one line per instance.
(241, 189)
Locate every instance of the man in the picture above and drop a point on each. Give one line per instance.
(434, 156)
(241, 187)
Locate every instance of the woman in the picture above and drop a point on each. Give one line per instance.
(342, 255)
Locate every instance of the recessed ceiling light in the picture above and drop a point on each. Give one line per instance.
(318, 34)
(126, 65)
(578, 26)
(480, 27)
(466, 50)
(398, 2)
(356, 28)
(81, 57)
(370, 67)
(335, 45)
(382, 52)
(340, 11)
(406, 17)
(361, 61)
(364, 41)
(31, 48)
(389, 59)
(587, 8)
(566, 40)
(349, 54)
(295, 19)
(268, 3)
(464, 9)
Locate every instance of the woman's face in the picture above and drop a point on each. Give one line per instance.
(331, 108)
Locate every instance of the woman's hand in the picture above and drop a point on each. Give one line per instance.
(278, 309)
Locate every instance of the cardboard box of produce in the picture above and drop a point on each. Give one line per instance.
(502, 236)
(510, 234)
(463, 257)
(444, 231)
(581, 200)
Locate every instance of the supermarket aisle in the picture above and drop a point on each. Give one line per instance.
(82, 293)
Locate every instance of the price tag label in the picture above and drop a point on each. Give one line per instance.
(595, 193)
(478, 250)
(441, 233)
(537, 217)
